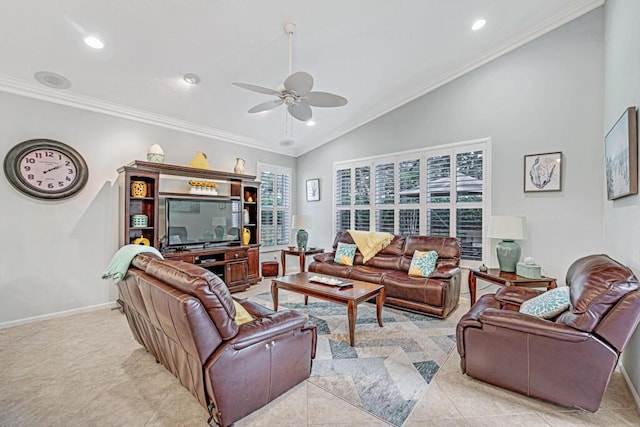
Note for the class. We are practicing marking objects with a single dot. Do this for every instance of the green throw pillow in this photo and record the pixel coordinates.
(423, 263)
(345, 253)
(548, 304)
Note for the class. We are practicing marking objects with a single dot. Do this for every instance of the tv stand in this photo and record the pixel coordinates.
(140, 184)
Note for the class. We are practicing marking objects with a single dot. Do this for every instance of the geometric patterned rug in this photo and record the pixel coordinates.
(389, 369)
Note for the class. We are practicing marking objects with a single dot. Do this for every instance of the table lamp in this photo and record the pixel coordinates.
(301, 222)
(507, 228)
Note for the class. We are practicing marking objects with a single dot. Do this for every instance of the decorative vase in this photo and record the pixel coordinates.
(199, 161)
(246, 236)
(155, 154)
(246, 218)
(138, 189)
(240, 164)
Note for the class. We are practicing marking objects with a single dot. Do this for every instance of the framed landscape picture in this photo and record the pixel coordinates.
(313, 190)
(543, 172)
(621, 156)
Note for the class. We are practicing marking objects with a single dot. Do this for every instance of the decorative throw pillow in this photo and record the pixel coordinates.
(548, 304)
(242, 315)
(345, 253)
(423, 263)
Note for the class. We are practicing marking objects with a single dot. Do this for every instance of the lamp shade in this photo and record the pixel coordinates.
(507, 227)
(301, 222)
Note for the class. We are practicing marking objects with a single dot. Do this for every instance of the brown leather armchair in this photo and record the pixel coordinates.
(567, 360)
(184, 316)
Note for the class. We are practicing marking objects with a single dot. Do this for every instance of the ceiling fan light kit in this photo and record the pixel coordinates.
(296, 92)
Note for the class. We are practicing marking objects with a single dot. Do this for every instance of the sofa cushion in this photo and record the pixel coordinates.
(345, 253)
(548, 304)
(330, 268)
(423, 263)
(242, 315)
(597, 283)
(448, 250)
(367, 273)
(398, 284)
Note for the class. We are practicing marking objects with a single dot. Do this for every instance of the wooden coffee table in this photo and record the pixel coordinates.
(351, 297)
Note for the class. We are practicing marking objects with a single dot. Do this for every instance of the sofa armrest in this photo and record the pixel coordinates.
(265, 328)
(517, 321)
(444, 273)
(324, 257)
(516, 295)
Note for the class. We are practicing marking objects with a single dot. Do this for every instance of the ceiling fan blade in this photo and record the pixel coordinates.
(259, 89)
(300, 111)
(266, 105)
(324, 99)
(300, 83)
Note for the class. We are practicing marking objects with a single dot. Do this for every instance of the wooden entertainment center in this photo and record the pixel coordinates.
(237, 264)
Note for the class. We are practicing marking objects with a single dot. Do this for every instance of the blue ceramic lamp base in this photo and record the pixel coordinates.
(508, 253)
(302, 237)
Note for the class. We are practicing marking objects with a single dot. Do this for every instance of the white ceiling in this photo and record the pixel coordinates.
(379, 54)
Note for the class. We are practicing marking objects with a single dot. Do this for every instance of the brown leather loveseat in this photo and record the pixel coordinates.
(184, 316)
(436, 295)
(567, 360)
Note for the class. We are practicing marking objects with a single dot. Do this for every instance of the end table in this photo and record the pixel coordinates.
(502, 278)
(302, 255)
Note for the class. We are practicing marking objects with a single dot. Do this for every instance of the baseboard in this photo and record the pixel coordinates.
(42, 317)
(632, 389)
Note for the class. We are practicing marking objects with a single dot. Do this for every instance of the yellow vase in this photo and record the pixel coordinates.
(246, 236)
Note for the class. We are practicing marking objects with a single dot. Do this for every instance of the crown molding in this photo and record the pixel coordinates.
(515, 42)
(82, 102)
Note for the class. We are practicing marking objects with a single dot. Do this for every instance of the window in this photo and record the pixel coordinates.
(275, 205)
(436, 192)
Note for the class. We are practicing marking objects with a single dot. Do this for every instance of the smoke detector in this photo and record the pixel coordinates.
(53, 80)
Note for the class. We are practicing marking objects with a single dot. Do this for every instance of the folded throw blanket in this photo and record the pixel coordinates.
(370, 243)
(119, 264)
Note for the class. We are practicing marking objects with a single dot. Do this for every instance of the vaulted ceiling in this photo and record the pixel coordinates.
(379, 54)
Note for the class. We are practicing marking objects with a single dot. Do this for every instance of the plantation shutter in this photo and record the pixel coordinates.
(275, 206)
(469, 191)
(283, 191)
(267, 197)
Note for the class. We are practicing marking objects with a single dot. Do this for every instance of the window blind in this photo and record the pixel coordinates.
(275, 205)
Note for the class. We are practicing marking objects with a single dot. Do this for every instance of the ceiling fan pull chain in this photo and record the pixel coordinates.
(290, 52)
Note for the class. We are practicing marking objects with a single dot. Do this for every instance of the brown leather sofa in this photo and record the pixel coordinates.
(567, 360)
(184, 316)
(436, 295)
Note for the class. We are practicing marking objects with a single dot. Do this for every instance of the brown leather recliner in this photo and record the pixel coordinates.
(568, 360)
(184, 316)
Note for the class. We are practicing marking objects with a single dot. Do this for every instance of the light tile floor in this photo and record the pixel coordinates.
(87, 369)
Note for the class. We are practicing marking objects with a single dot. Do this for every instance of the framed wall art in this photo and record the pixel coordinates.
(543, 172)
(313, 190)
(621, 156)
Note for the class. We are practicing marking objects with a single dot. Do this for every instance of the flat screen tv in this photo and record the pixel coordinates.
(198, 223)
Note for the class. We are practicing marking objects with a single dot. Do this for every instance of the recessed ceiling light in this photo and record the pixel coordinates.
(93, 42)
(287, 142)
(192, 78)
(311, 122)
(479, 23)
(53, 80)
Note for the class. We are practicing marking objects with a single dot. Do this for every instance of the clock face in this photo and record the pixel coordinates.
(48, 170)
(45, 169)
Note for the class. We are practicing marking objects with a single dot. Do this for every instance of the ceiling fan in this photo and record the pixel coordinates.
(296, 92)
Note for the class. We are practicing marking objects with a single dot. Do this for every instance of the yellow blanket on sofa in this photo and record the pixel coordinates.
(370, 243)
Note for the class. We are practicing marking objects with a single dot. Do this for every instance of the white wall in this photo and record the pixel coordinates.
(545, 96)
(53, 253)
(622, 90)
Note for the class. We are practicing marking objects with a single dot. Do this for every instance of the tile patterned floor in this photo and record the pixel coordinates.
(86, 369)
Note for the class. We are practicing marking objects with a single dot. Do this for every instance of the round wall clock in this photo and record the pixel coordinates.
(46, 169)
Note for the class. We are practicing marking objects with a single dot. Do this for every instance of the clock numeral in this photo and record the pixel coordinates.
(70, 171)
(67, 163)
(68, 179)
(60, 183)
(39, 183)
(27, 168)
(59, 156)
(38, 155)
(50, 185)
(30, 177)
(49, 154)
(30, 160)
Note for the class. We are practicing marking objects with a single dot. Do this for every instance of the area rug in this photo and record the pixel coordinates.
(389, 369)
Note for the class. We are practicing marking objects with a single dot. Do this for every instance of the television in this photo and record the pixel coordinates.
(192, 223)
